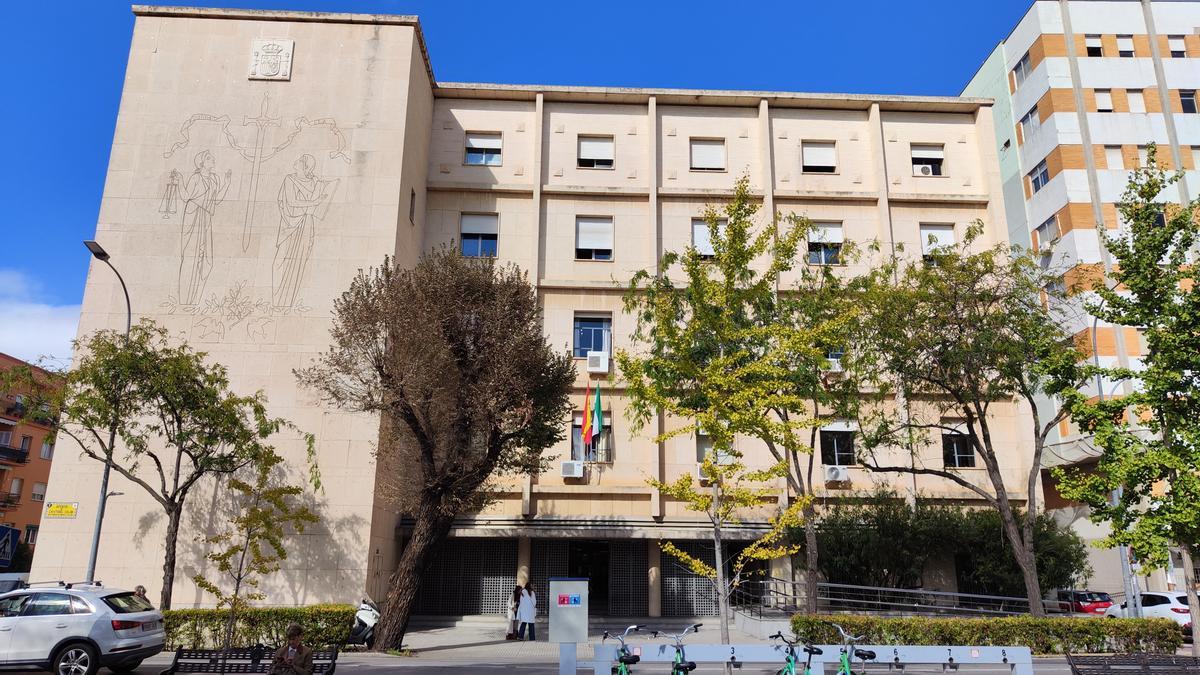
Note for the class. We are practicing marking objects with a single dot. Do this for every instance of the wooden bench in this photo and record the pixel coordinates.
(1134, 664)
(257, 659)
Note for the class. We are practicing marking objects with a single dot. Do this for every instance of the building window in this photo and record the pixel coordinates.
(483, 149)
(1030, 123)
(479, 232)
(927, 160)
(1104, 101)
(1047, 232)
(957, 451)
(704, 446)
(1094, 46)
(599, 450)
(1039, 176)
(31, 532)
(1125, 46)
(593, 238)
(818, 156)
(412, 208)
(1177, 45)
(1143, 155)
(1187, 98)
(837, 447)
(1196, 156)
(6, 439)
(934, 237)
(825, 244)
(595, 152)
(708, 154)
(15, 487)
(26, 443)
(1113, 157)
(47, 450)
(38, 494)
(592, 334)
(702, 237)
(1023, 69)
(1137, 101)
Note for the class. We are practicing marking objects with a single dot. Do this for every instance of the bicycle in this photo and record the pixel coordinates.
(864, 655)
(624, 657)
(681, 666)
(789, 667)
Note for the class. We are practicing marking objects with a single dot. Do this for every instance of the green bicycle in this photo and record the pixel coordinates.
(624, 657)
(789, 667)
(681, 666)
(848, 650)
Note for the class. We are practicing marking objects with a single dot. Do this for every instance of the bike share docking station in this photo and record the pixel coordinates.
(1019, 660)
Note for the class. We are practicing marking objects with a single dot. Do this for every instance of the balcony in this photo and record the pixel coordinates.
(8, 499)
(9, 455)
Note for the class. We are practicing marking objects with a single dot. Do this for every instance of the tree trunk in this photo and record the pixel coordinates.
(173, 517)
(810, 559)
(1189, 582)
(1024, 554)
(428, 531)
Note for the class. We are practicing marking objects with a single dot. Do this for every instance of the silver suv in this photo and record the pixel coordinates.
(74, 629)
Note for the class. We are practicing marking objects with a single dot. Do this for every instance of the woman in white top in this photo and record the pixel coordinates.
(514, 601)
(527, 612)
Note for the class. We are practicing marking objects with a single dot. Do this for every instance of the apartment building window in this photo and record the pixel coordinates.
(1047, 232)
(1143, 155)
(26, 443)
(1196, 156)
(6, 439)
(1113, 157)
(1137, 101)
(1022, 70)
(38, 494)
(704, 445)
(479, 234)
(483, 149)
(1030, 123)
(957, 451)
(837, 445)
(1094, 46)
(818, 156)
(593, 333)
(927, 159)
(15, 487)
(595, 152)
(1177, 45)
(935, 237)
(31, 532)
(702, 237)
(593, 238)
(707, 154)
(1187, 99)
(1125, 46)
(47, 450)
(1104, 101)
(600, 449)
(1039, 176)
(825, 244)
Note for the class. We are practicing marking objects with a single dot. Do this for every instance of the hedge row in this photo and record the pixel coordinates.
(1042, 636)
(324, 625)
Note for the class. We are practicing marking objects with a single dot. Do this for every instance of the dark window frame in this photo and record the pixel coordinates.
(954, 454)
(833, 448)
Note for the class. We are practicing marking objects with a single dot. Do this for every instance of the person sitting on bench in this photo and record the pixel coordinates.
(293, 658)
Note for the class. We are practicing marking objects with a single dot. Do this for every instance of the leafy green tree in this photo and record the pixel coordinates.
(453, 357)
(1150, 437)
(945, 339)
(986, 563)
(265, 512)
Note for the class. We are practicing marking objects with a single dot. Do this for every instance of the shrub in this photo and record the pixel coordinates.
(324, 625)
(1042, 636)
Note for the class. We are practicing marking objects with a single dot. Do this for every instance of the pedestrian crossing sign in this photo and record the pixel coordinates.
(9, 538)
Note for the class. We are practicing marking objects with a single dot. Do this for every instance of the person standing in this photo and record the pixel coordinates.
(139, 592)
(527, 612)
(514, 601)
(202, 193)
(294, 658)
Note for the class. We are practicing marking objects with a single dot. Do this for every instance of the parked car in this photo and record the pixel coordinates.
(11, 581)
(74, 629)
(1084, 602)
(1171, 606)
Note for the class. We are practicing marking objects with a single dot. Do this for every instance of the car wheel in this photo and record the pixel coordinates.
(126, 667)
(76, 659)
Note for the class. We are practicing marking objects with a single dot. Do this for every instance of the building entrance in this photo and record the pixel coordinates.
(590, 560)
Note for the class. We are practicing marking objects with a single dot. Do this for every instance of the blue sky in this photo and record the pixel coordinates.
(64, 68)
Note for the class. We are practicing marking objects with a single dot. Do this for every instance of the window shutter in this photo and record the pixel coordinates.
(936, 236)
(479, 223)
(1093, 41)
(1104, 100)
(827, 233)
(595, 147)
(487, 141)
(928, 152)
(1177, 44)
(701, 239)
(1137, 102)
(594, 233)
(840, 425)
(1124, 43)
(1113, 157)
(819, 153)
(708, 154)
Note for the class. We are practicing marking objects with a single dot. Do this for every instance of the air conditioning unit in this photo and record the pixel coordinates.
(837, 474)
(835, 366)
(572, 469)
(922, 170)
(597, 362)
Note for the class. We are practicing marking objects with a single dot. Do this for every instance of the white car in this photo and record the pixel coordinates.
(1171, 606)
(74, 629)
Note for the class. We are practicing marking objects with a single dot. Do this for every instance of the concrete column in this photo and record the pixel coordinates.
(1164, 96)
(524, 559)
(781, 568)
(656, 497)
(654, 578)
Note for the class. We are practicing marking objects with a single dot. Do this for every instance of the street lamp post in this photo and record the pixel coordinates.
(100, 254)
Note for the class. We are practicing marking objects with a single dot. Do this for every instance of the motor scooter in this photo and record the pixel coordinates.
(363, 632)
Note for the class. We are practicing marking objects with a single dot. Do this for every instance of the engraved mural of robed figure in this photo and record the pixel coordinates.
(303, 200)
(202, 192)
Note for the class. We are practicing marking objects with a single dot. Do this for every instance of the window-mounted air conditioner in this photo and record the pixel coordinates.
(922, 170)
(837, 474)
(572, 469)
(597, 362)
